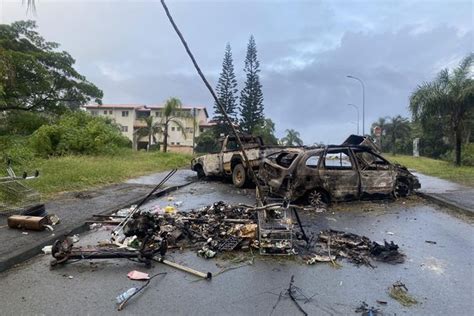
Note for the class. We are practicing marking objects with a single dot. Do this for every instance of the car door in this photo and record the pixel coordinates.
(376, 174)
(339, 174)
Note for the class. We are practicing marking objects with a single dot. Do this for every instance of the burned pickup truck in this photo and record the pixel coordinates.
(228, 162)
(334, 173)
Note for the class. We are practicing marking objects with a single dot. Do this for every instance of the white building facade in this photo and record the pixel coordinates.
(194, 120)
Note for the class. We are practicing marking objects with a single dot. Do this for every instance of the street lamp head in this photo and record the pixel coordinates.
(349, 76)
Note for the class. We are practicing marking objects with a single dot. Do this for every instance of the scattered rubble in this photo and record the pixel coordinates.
(333, 244)
(365, 310)
(399, 291)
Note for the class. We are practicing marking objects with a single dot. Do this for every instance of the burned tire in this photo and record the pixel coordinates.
(200, 171)
(239, 176)
(402, 189)
(317, 198)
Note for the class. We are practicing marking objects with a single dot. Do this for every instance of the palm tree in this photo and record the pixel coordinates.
(172, 106)
(151, 129)
(397, 128)
(450, 95)
(292, 138)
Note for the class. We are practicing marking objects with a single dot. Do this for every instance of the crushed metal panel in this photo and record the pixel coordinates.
(211, 164)
(357, 140)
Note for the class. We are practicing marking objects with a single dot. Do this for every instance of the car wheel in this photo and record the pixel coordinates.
(402, 189)
(317, 198)
(200, 172)
(239, 176)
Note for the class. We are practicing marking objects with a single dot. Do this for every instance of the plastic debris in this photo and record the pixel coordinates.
(170, 209)
(47, 249)
(75, 238)
(125, 295)
(207, 253)
(137, 275)
(54, 219)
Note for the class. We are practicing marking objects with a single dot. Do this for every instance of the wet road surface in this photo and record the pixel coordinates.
(440, 276)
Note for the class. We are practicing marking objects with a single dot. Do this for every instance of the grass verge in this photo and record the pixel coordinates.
(437, 168)
(74, 173)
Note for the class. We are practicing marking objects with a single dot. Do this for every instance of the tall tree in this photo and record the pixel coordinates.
(227, 93)
(251, 97)
(35, 76)
(266, 131)
(397, 129)
(292, 138)
(450, 95)
(172, 106)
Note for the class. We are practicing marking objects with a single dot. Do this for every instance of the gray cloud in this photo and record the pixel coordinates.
(306, 49)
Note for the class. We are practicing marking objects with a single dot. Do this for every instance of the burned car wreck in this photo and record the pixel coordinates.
(334, 173)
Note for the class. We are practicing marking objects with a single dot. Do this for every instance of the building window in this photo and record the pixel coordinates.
(124, 113)
(172, 129)
(172, 143)
(178, 143)
(158, 113)
(201, 130)
(110, 112)
(124, 129)
(93, 113)
(178, 129)
(105, 112)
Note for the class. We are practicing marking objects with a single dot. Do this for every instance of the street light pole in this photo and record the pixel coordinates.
(363, 102)
(357, 109)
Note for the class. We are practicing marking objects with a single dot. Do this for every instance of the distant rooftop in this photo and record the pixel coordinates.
(140, 107)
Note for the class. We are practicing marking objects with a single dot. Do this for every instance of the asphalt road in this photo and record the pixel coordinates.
(440, 276)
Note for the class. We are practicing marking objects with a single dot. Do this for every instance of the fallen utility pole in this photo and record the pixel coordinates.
(218, 103)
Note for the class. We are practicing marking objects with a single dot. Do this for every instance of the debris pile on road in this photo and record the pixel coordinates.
(214, 228)
(333, 244)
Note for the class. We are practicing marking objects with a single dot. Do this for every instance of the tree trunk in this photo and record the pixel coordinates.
(458, 144)
(149, 143)
(165, 139)
(393, 145)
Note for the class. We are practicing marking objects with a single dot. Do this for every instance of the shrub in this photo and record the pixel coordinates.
(16, 149)
(207, 142)
(467, 155)
(78, 133)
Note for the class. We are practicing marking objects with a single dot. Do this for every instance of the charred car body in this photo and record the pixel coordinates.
(229, 162)
(334, 173)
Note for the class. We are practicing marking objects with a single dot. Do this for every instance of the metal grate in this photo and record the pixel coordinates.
(275, 231)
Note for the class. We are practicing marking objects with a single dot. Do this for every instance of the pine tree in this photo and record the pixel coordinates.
(251, 98)
(227, 93)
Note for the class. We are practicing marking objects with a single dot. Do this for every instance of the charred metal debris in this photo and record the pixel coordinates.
(220, 228)
(331, 245)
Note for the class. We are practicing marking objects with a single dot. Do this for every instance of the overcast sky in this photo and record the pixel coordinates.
(305, 48)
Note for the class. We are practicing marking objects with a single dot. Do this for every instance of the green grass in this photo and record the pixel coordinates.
(74, 173)
(437, 168)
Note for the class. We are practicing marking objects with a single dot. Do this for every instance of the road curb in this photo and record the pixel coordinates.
(32, 250)
(445, 203)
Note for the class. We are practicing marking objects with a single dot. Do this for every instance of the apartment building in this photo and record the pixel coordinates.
(130, 119)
